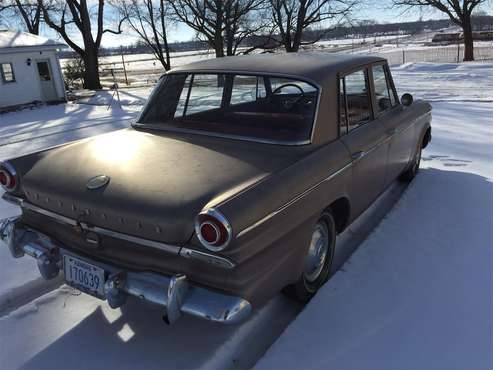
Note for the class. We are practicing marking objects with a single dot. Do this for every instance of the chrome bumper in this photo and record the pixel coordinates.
(176, 294)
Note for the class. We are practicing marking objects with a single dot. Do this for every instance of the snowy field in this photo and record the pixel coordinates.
(417, 293)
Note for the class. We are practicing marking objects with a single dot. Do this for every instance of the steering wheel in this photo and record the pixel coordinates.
(290, 103)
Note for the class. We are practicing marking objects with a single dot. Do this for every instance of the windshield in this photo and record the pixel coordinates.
(265, 108)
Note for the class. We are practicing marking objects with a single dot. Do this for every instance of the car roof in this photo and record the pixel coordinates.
(319, 67)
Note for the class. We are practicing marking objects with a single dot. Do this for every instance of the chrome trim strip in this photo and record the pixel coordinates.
(181, 251)
(114, 234)
(133, 239)
(293, 201)
(372, 149)
(206, 257)
(158, 127)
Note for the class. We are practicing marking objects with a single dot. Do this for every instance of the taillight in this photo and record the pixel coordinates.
(213, 230)
(8, 177)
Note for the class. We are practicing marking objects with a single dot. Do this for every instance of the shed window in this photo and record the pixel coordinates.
(7, 72)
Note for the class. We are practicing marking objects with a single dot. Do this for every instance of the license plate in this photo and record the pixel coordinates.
(84, 276)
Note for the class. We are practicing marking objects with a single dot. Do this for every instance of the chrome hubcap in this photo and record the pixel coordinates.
(317, 252)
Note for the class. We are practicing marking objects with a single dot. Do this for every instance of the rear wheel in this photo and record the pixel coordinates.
(411, 172)
(318, 260)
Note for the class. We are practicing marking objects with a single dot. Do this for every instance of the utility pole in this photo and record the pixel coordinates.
(124, 69)
(458, 51)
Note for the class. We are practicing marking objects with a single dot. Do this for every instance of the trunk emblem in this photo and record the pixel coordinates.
(98, 182)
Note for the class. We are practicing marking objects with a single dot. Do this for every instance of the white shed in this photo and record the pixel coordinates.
(29, 69)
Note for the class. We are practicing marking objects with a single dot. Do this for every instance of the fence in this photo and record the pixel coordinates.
(144, 69)
(445, 54)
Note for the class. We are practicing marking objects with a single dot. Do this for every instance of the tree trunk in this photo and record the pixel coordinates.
(91, 75)
(468, 40)
(219, 47)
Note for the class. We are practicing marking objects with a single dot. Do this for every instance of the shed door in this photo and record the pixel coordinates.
(46, 80)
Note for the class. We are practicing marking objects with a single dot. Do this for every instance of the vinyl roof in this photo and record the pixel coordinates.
(315, 66)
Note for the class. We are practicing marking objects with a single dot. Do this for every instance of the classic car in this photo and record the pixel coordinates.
(232, 185)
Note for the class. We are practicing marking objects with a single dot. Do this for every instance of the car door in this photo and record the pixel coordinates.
(364, 137)
(399, 128)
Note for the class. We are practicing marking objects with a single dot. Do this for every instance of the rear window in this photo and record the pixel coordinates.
(264, 108)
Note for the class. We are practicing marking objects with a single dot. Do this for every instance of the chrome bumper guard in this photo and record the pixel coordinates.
(176, 294)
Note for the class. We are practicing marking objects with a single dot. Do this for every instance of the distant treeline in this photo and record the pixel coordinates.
(363, 29)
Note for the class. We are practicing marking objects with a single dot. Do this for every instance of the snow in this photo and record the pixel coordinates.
(14, 39)
(417, 294)
(68, 330)
(35, 129)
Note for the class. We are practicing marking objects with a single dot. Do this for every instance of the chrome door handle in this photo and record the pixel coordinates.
(357, 155)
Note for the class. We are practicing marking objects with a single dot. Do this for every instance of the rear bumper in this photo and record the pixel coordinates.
(175, 294)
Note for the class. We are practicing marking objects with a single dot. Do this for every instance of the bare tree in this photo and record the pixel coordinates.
(293, 17)
(72, 15)
(459, 11)
(224, 24)
(149, 20)
(27, 12)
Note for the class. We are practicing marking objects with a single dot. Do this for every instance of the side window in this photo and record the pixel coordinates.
(357, 99)
(180, 108)
(247, 89)
(384, 95)
(342, 108)
(7, 72)
(206, 93)
(393, 93)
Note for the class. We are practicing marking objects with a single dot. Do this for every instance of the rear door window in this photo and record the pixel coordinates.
(357, 99)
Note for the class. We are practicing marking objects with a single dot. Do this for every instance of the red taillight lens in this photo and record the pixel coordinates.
(210, 232)
(8, 179)
(4, 180)
(213, 230)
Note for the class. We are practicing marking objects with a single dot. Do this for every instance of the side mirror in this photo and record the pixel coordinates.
(407, 100)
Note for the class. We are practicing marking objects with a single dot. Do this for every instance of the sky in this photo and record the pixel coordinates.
(375, 10)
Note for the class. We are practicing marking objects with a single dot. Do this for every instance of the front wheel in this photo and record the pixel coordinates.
(412, 171)
(318, 260)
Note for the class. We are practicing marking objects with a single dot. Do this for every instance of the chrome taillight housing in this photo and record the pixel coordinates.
(8, 177)
(213, 230)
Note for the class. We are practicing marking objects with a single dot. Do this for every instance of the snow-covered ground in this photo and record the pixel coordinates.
(416, 294)
(34, 129)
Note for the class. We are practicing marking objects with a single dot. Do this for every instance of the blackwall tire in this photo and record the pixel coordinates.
(315, 276)
(412, 171)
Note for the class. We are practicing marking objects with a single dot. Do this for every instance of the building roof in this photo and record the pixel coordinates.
(315, 66)
(18, 40)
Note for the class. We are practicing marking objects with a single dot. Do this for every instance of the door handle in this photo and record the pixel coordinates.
(357, 155)
(392, 132)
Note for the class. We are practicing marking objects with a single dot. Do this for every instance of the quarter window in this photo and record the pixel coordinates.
(357, 99)
(384, 95)
(7, 72)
